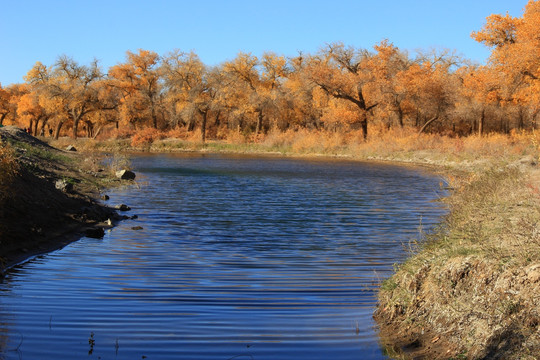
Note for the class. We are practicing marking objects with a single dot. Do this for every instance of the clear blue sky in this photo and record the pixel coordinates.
(41, 30)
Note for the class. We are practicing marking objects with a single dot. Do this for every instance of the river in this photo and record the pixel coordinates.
(238, 258)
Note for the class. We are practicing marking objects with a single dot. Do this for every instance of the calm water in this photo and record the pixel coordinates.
(238, 258)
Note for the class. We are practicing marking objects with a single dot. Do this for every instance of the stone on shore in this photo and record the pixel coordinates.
(63, 185)
(71, 148)
(95, 233)
(122, 207)
(125, 175)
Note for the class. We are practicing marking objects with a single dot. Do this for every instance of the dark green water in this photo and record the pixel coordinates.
(238, 258)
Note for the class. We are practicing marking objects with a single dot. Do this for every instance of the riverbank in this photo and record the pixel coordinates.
(49, 197)
(471, 291)
(402, 145)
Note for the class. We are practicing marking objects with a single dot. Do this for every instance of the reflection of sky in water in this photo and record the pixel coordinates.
(262, 257)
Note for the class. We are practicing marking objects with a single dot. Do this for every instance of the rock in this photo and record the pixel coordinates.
(96, 233)
(125, 175)
(137, 228)
(104, 197)
(63, 185)
(134, 217)
(71, 148)
(533, 273)
(528, 160)
(122, 207)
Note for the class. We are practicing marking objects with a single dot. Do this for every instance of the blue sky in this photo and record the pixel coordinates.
(33, 30)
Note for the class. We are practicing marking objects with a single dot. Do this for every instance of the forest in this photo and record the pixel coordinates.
(338, 89)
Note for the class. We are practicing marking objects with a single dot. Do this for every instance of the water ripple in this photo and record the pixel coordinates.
(251, 258)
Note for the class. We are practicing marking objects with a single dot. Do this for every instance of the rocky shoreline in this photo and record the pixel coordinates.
(54, 199)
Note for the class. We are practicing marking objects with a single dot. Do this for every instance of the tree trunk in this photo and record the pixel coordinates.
(154, 117)
(259, 122)
(521, 123)
(77, 116)
(76, 120)
(203, 126)
(98, 131)
(400, 116)
(427, 124)
(190, 124)
(481, 122)
(42, 129)
(363, 123)
(2, 117)
(57, 130)
(35, 131)
(89, 128)
(217, 122)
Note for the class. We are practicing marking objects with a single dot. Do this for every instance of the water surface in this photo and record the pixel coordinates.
(238, 258)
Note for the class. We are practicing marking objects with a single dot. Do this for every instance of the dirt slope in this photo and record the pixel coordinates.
(36, 216)
(473, 289)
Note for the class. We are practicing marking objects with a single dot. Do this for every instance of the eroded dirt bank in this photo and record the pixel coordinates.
(473, 289)
(37, 214)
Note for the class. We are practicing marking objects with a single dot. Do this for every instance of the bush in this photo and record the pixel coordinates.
(146, 137)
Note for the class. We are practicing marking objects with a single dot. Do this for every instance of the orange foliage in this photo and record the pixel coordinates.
(146, 137)
(338, 89)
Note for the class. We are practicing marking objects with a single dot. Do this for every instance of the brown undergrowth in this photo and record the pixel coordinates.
(395, 144)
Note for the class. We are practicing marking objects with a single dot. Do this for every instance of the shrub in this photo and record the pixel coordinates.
(123, 132)
(146, 137)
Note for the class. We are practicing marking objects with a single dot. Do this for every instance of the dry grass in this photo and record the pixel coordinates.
(395, 144)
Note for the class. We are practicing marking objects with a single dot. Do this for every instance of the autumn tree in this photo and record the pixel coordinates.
(68, 89)
(387, 65)
(514, 63)
(5, 104)
(479, 93)
(139, 81)
(107, 111)
(192, 88)
(431, 86)
(253, 86)
(41, 99)
(305, 99)
(344, 73)
(30, 109)
(76, 85)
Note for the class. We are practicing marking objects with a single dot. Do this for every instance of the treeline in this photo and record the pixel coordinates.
(339, 88)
